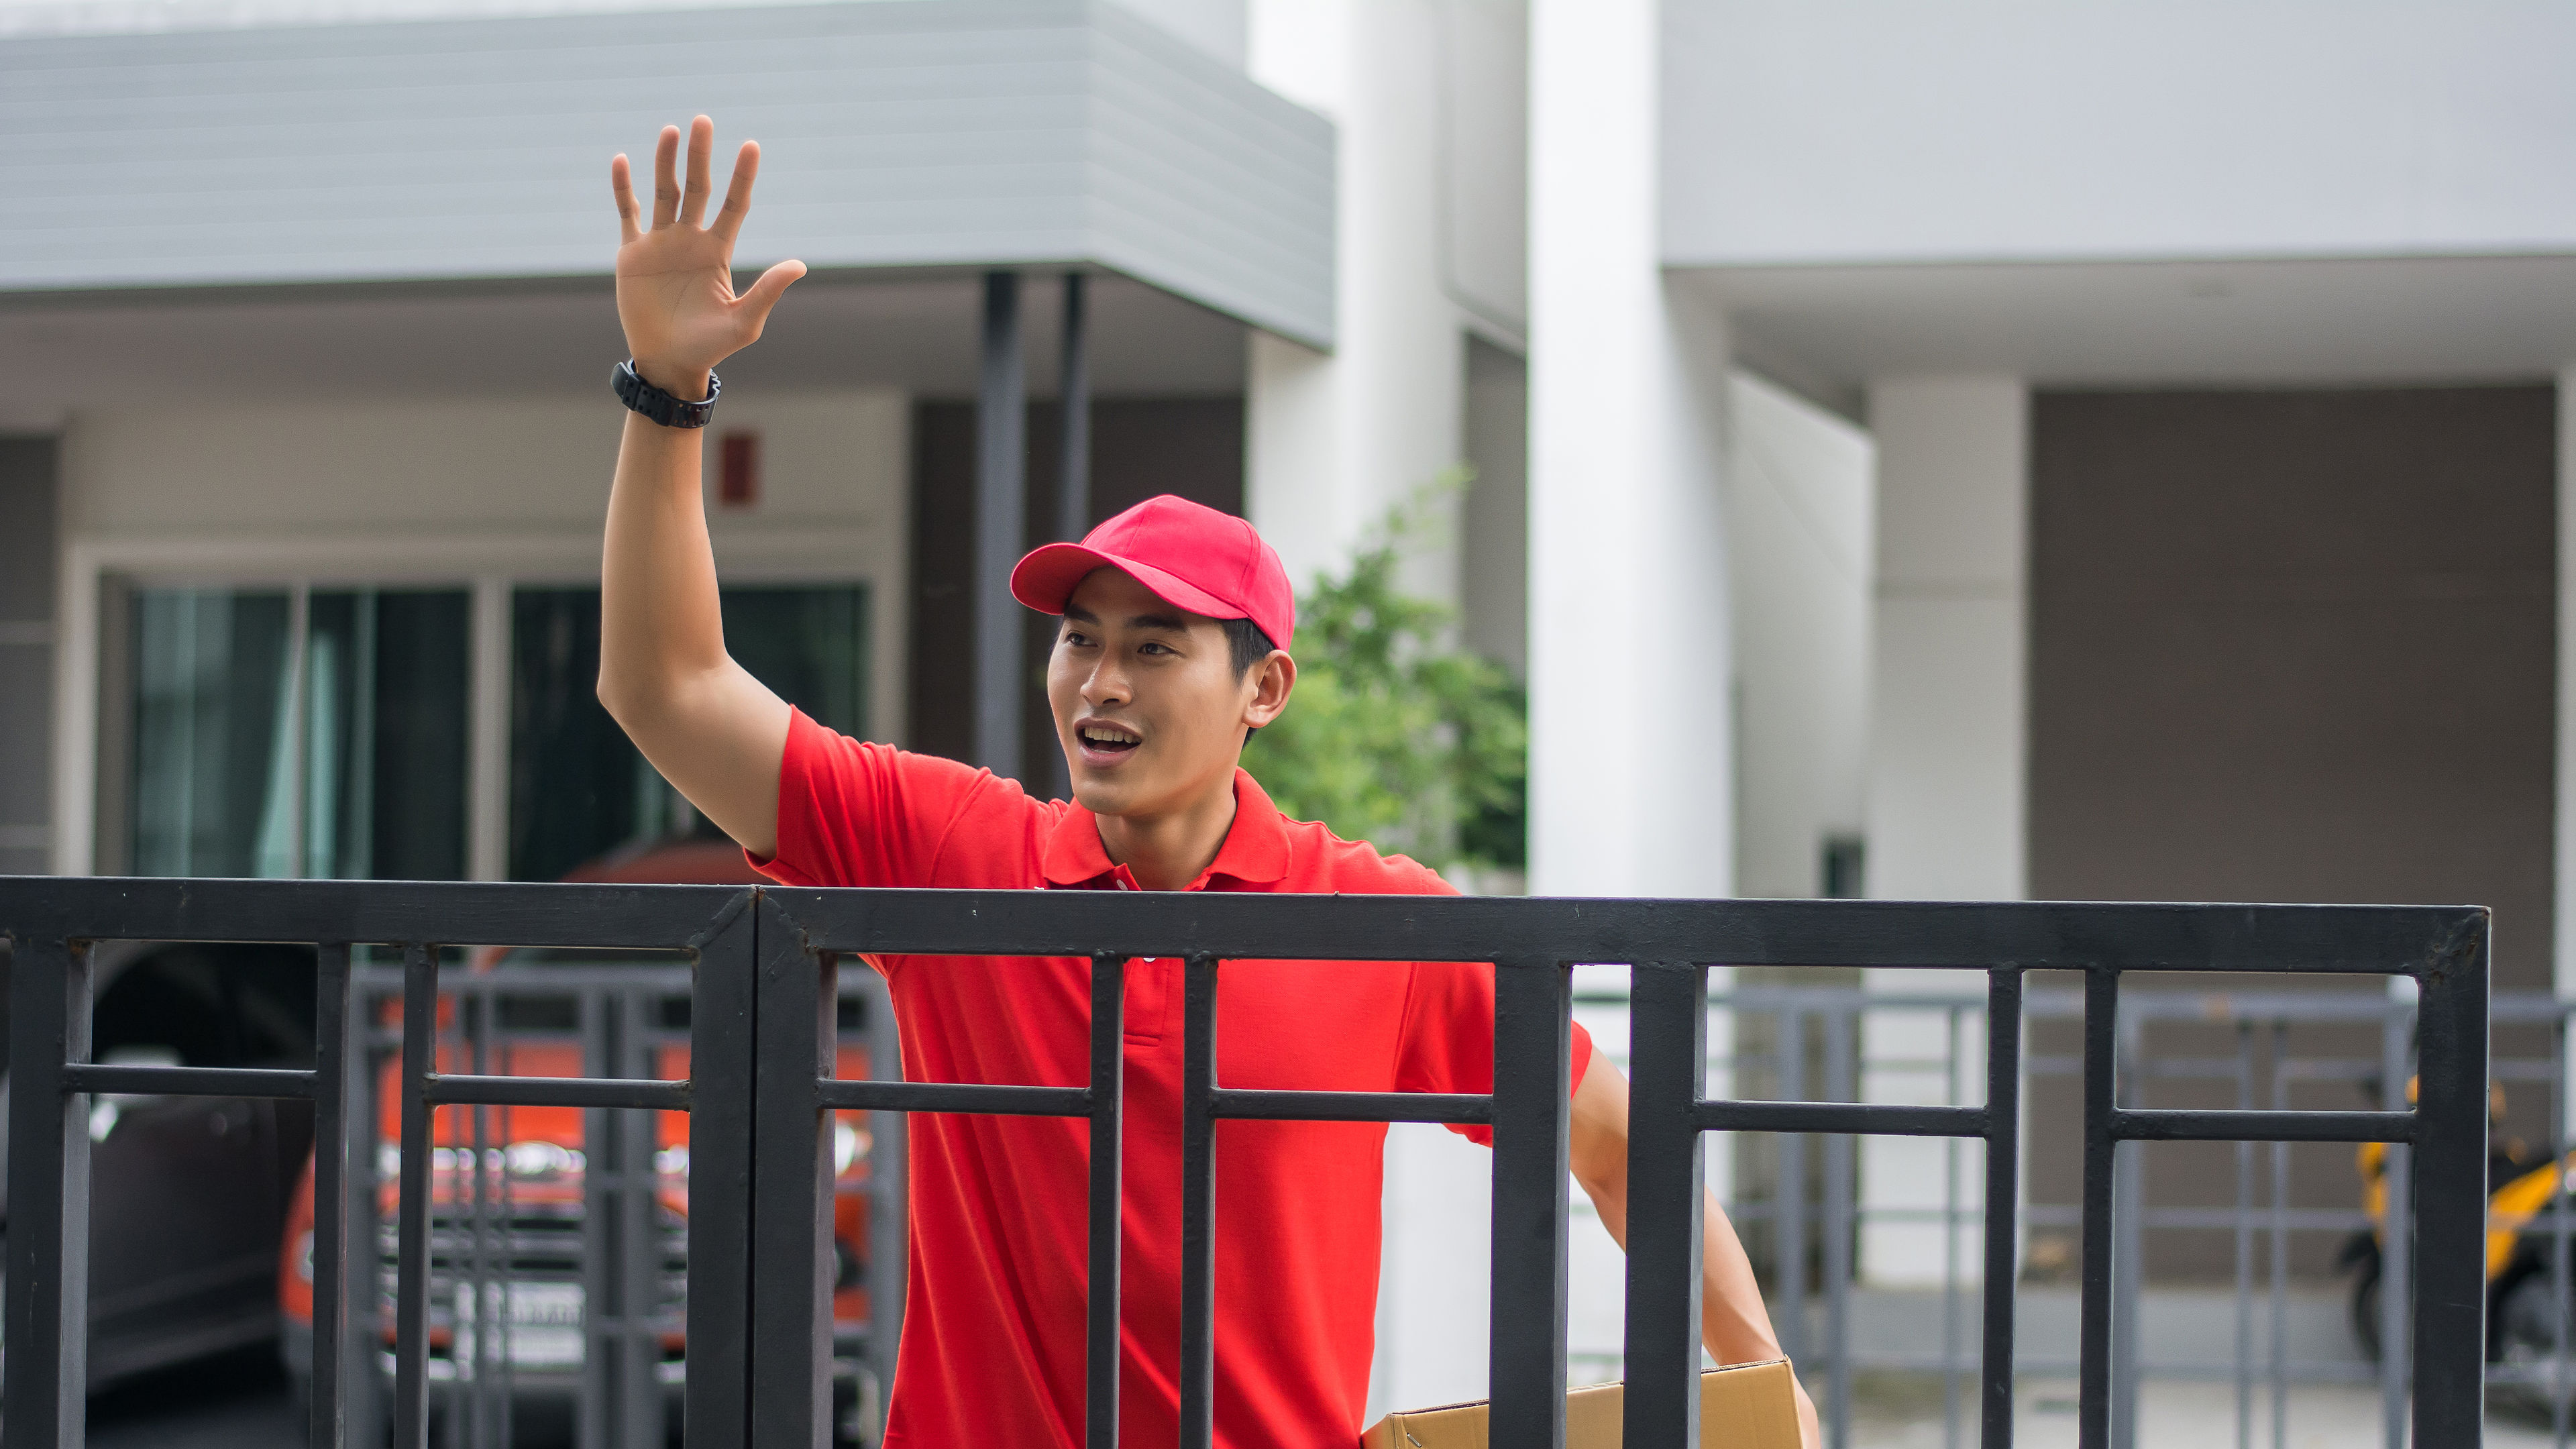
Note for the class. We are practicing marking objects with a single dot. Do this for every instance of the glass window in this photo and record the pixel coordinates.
(578, 789)
(289, 732)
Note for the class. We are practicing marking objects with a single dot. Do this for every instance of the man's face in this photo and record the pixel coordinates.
(1148, 707)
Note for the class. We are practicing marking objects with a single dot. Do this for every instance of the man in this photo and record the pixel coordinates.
(1172, 646)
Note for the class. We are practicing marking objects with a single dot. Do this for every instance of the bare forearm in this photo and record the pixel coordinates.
(660, 619)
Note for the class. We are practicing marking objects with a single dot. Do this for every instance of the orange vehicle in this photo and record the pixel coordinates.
(515, 1227)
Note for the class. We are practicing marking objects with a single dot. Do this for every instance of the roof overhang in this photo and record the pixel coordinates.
(899, 137)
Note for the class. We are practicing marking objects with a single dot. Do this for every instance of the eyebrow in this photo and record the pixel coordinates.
(1172, 623)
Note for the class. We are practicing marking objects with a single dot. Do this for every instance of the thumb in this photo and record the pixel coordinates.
(764, 294)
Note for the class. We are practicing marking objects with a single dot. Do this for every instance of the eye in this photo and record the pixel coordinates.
(1150, 647)
(1075, 638)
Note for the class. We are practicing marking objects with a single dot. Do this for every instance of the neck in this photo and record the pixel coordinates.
(1168, 850)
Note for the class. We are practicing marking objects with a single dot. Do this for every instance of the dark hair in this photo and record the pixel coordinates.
(1247, 643)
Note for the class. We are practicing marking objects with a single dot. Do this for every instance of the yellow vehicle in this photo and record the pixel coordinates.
(2523, 1305)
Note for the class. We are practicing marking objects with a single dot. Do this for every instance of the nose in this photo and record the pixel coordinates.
(1106, 684)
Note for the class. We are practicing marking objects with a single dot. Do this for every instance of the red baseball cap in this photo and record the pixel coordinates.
(1188, 554)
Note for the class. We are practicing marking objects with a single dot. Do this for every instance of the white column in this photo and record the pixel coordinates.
(1333, 441)
(2564, 947)
(1631, 739)
(1948, 752)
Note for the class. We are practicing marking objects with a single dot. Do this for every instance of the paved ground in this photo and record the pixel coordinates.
(2170, 1416)
(237, 1401)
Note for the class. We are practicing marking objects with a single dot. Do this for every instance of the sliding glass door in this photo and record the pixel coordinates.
(295, 732)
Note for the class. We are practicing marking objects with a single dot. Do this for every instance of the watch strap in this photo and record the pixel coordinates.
(652, 402)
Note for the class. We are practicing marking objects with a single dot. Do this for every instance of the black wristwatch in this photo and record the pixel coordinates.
(660, 406)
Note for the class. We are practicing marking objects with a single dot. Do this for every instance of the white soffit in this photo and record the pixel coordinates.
(1827, 329)
(901, 135)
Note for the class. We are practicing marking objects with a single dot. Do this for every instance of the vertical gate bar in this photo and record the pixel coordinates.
(411, 1247)
(1533, 1033)
(1839, 1086)
(328, 1425)
(1198, 1204)
(2559, 1285)
(2397, 1251)
(1108, 1083)
(48, 1274)
(485, 1289)
(886, 1197)
(1667, 1061)
(640, 1206)
(2128, 1240)
(791, 1196)
(2244, 1244)
(2003, 1201)
(2278, 1359)
(1790, 1214)
(362, 1395)
(723, 991)
(2101, 1048)
(2449, 1179)
(1950, 1093)
(598, 1424)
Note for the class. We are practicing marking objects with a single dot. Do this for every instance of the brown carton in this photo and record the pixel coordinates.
(1741, 1406)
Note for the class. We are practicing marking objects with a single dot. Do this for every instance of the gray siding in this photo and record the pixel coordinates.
(896, 134)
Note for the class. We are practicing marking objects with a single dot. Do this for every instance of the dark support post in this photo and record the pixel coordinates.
(1198, 1204)
(2101, 1049)
(1001, 496)
(791, 1190)
(1108, 1086)
(1073, 475)
(328, 1428)
(48, 1283)
(411, 1232)
(1533, 1021)
(362, 1395)
(2450, 1195)
(2003, 1198)
(1668, 1045)
(717, 1409)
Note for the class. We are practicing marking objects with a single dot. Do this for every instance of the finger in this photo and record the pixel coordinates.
(666, 177)
(622, 186)
(737, 202)
(764, 294)
(702, 145)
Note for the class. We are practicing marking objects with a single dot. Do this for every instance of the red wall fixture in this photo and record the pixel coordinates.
(738, 471)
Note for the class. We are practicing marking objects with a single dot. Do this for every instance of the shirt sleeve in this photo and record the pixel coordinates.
(1447, 1040)
(856, 813)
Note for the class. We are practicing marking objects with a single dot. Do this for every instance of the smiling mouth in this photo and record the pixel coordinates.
(1107, 739)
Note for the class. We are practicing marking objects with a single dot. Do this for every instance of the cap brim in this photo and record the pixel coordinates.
(1046, 579)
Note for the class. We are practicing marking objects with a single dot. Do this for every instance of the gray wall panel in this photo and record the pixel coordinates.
(29, 534)
(917, 133)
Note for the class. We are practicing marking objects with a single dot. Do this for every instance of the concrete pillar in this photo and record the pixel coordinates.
(1333, 441)
(1948, 753)
(1631, 739)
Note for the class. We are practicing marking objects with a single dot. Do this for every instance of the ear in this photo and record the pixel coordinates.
(1272, 680)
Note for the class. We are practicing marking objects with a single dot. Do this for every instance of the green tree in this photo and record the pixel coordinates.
(1395, 735)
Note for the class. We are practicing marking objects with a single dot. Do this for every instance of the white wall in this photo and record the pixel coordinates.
(1995, 129)
(357, 491)
(1800, 508)
(1215, 26)
(1947, 750)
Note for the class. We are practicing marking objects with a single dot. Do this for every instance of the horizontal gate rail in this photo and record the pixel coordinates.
(766, 963)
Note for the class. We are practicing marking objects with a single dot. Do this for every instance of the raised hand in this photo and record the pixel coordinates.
(675, 292)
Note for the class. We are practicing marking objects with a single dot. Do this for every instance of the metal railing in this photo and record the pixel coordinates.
(758, 1310)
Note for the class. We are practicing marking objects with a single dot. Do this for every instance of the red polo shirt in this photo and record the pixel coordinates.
(992, 1349)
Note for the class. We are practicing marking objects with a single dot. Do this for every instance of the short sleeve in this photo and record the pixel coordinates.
(1447, 1040)
(857, 813)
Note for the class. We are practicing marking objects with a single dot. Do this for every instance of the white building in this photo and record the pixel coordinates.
(2061, 450)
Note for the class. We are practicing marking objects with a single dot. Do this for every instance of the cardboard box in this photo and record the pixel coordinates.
(1741, 1406)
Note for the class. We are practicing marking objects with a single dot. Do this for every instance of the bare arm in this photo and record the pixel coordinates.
(714, 732)
(1733, 1321)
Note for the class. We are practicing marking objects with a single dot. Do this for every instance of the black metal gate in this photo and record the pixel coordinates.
(762, 1090)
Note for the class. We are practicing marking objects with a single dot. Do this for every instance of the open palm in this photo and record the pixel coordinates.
(675, 292)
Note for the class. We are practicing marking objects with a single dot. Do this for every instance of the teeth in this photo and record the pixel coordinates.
(1108, 735)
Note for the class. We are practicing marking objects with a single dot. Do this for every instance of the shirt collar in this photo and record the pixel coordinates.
(1255, 850)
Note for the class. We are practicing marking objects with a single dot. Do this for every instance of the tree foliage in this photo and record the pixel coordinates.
(1395, 735)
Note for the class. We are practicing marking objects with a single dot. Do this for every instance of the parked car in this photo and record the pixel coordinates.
(187, 1194)
(529, 1254)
